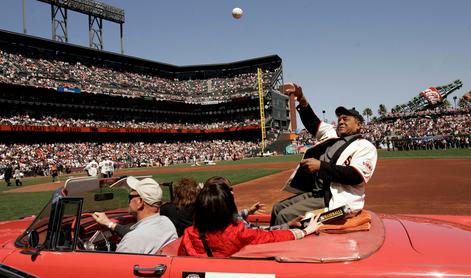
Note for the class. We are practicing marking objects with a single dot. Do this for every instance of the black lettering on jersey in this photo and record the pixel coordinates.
(348, 161)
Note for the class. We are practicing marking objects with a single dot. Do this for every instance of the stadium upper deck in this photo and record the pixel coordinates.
(83, 84)
(38, 62)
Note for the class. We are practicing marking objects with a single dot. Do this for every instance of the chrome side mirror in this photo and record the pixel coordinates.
(33, 239)
(33, 242)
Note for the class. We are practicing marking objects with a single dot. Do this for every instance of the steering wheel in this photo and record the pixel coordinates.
(98, 236)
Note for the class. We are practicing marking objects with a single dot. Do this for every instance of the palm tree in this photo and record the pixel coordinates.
(382, 110)
(446, 103)
(367, 112)
(464, 103)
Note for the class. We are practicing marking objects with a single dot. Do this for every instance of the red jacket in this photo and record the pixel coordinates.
(227, 242)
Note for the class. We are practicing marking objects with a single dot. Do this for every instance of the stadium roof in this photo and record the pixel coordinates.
(32, 41)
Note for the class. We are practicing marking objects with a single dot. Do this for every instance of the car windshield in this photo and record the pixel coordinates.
(96, 197)
(105, 199)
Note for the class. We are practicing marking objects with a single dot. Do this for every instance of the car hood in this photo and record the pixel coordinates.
(11, 230)
(439, 238)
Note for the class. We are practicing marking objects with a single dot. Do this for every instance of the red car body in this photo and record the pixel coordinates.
(396, 246)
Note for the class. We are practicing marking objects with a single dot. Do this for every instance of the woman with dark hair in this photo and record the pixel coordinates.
(181, 210)
(218, 232)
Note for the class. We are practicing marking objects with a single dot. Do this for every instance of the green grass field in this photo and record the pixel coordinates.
(235, 176)
(16, 205)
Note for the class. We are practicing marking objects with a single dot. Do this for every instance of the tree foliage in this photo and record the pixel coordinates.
(382, 110)
(368, 113)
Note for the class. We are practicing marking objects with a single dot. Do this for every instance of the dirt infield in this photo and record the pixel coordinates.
(423, 186)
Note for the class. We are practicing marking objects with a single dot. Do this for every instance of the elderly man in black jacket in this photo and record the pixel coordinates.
(334, 172)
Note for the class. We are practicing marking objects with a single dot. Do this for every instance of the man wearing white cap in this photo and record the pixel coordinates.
(152, 230)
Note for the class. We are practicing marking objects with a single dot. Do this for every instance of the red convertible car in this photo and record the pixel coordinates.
(63, 240)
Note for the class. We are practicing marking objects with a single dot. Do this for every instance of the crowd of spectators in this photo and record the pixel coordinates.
(48, 72)
(51, 71)
(435, 129)
(44, 120)
(440, 128)
(37, 159)
(437, 111)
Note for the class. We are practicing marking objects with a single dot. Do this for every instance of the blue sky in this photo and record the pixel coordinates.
(354, 53)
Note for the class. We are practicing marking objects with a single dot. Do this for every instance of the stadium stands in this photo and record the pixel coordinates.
(64, 104)
(47, 120)
(439, 128)
(85, 76)
(36, 159)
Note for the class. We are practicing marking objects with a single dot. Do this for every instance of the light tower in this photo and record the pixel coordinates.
(96, 11)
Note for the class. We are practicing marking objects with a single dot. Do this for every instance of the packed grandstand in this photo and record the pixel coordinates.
(439, 128)
(64, 105)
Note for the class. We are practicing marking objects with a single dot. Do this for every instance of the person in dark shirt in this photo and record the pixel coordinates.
(8, 174)
(182, 209)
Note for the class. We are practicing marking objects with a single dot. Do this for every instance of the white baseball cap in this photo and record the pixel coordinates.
(148, 189)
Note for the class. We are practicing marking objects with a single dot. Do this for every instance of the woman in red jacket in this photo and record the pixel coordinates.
(216, 230)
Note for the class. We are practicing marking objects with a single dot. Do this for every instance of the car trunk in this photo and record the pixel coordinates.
(439, 241)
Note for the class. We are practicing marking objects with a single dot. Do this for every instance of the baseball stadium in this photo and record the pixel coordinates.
(64, 105)
(72, 112)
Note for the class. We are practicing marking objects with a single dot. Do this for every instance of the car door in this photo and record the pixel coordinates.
(90, 264)
(56, 254)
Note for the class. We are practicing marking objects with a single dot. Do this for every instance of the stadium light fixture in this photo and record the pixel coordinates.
(96, 11)
(90, 7)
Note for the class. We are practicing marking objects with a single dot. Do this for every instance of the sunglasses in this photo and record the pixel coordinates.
(131, 196)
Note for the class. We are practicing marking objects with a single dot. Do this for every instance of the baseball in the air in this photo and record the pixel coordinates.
(237, 13)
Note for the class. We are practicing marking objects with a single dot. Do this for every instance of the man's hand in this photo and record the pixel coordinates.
(296, 222)
(313, 226)
(310, 165)
(295, 90)
(101, 218)
(257, 207)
